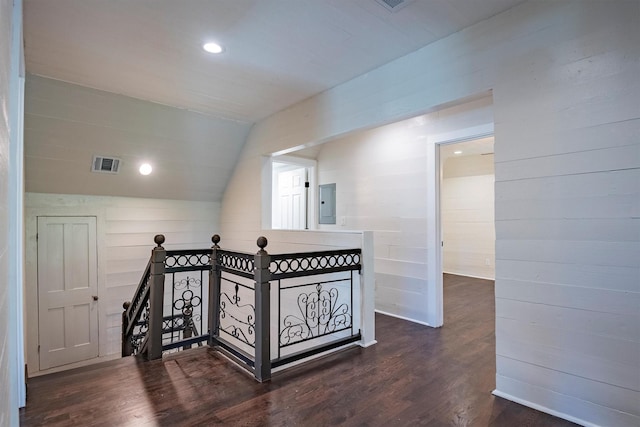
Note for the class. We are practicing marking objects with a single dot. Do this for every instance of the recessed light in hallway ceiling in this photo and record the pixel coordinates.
(145, 169)
(212, 47)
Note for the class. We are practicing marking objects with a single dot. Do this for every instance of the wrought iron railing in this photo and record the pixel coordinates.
(229, 295)
(320, 310)
(315, 301)
(185, 306)
(169, 308)
(310, 311)
(234, 297)
(135, 318)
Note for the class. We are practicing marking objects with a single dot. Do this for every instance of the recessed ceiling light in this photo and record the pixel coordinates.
(145, 169)
(457, 152)
(212, 47)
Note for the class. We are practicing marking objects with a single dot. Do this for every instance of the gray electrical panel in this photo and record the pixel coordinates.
(327, 204)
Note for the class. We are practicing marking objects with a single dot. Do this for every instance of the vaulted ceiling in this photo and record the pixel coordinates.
(277, 52)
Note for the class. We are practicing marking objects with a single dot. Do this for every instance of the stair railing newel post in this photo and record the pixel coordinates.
(156, 299)
(262, 303)
(127, 347)
(215, 276)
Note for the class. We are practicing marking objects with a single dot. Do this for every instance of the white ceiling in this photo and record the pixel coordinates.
(278, 52)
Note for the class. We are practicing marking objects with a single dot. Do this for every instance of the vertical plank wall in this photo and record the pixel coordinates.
(468, 218)
(567, 119)
(8, 77)
(126, 227)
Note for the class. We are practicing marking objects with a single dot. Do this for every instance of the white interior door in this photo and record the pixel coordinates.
(291, 199)
(67, 290)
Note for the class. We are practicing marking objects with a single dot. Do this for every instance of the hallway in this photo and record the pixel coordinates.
(415, 375)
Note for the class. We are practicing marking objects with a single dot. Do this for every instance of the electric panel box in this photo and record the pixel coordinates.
(327, 204)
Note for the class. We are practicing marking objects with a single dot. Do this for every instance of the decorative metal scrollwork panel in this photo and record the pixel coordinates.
(171, 323)
(186, 295)
(320, 309)
(187, 260)
(140, 294)
(237, 312)
(236, 262)
(140, 329)
(303, 264)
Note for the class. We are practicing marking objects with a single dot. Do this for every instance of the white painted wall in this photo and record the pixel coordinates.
(11, 379)
(467, 214)
(125, 230)
(381, 185)
(192, 154)
(565, 91)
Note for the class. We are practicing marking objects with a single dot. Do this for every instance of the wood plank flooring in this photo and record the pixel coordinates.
(414, 376)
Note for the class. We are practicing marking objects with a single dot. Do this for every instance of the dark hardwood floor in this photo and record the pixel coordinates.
(415, 375)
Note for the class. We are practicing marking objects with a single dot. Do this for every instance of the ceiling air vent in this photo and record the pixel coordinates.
(393, 5)
(105, 164)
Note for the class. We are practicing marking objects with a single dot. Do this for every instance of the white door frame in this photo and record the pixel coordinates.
(267, 187)
(67, 207)
(91, 222)
(435, 300)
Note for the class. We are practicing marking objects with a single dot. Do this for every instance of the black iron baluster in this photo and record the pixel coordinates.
(201, 308)
(173, 308)
(280, 324)
(351, 300)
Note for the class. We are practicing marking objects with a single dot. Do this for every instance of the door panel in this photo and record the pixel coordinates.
(67, 283)
(291, 192)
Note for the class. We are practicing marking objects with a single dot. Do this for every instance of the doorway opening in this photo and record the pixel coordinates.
(467, 217)
(290, 190)
(437, 155)
(467, 208)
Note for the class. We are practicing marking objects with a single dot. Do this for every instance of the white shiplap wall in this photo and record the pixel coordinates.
(125, 230)
(567, 217)
(374, 172)
(567, 119)
(467, 209)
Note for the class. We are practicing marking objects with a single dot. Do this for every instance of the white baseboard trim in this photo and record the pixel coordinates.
(543, 409)
(81, 364)
(469, 275)
(367, 344)
(397, 316)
